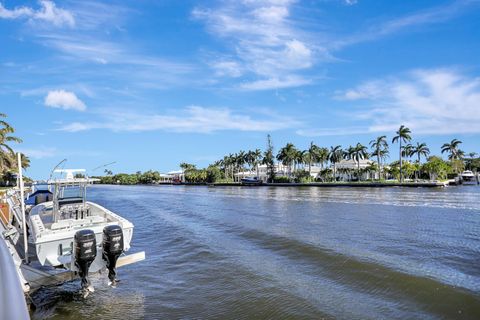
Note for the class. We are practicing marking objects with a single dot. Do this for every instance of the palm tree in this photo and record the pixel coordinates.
(299, 160)
(287, 155)
(357, 153)
(379, 146)
(321, 156)
(25, 161)
(452, 148)
(420, 150)
(335, 155)
(312, 155)
(240, 161)
(7, 155)
(403, 135)
(407, 151)
(257, 158)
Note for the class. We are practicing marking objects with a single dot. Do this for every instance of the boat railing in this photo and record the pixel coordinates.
(12, 299)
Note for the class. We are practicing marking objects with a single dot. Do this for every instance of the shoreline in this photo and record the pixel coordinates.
(313, 184)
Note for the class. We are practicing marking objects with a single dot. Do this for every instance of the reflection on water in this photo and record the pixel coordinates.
(282, 253)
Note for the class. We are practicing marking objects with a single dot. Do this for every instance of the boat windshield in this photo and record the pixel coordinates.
(70, 192)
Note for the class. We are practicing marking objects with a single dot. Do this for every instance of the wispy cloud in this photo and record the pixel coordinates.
(64, 100)
(428, 16)
(39, 153)
(344, 131)
(265, 44)
(285, 82)
(267, 48)
(48, 12)
(429, 101)
(192, 119)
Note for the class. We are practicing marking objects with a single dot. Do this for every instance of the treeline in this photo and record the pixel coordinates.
(8, 155)
(414, 162)
(148, 177)
(298, 163)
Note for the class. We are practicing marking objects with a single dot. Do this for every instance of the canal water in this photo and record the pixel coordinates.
(287, 253)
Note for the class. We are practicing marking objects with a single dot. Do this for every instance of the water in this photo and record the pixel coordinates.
(288, 253)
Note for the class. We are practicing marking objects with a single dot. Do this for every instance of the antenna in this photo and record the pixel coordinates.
(58, 165)
(105, 165)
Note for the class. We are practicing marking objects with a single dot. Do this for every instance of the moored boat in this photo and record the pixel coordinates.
(65, 236)
(251, 181)
(468, 177)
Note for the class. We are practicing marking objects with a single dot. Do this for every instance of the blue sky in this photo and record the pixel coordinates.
(150, 84)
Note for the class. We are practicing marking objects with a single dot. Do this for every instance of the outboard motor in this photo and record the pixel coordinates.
(85, 246)
(112, 249)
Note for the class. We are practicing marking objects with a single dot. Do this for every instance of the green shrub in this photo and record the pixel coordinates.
(281, 179)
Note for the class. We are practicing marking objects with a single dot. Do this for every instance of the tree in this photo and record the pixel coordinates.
(311, 155)
(287, 155)
(357, 153)
(268, 160)
(436, 167)
(25, 161)
(453, 150)
(420, 149)
(403, 135)
(471, 160)
(407, 151)
(257, 159)
(335, 155)
(380, 149)
(187, 166)
(7, 155)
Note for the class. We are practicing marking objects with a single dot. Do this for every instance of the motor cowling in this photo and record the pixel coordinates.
(112, 249)
(85, 251)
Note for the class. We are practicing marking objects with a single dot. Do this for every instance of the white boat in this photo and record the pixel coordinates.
(68, 236)
(468, 177)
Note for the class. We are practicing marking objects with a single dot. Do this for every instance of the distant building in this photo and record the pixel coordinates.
(262, 172)
(346, 170)
(172, 176)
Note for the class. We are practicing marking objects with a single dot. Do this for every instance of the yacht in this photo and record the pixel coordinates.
(468, 177)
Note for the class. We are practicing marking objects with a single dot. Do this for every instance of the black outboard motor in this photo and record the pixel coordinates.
(85, 252)
(112, 249)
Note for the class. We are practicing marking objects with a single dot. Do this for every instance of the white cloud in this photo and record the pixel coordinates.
(263, 41)
(15, 13)
(351, 2)
(287, 82)
(227, 68)
(48, 12)
(39, 153)
(191, 119)
(64, 100)
(429, 101)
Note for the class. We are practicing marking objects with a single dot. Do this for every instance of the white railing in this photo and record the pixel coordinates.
(12, 299)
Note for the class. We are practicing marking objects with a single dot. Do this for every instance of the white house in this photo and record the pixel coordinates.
(347, 169)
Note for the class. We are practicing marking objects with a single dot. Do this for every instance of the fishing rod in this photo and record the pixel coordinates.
(105, 165)
(55, 168)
